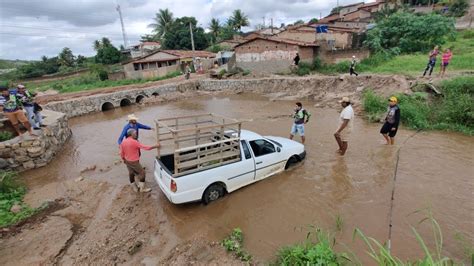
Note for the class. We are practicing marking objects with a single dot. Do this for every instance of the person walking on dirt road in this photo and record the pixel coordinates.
(344, 130)
(392, 120)
(130, 154)
(132, 124)
(298, 125)
(431, 61)
(353, 65)
(296, 60)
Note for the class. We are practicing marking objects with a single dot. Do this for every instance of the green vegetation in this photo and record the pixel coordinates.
(339, 223)
(318, 249)
(92, 81)
(9, 64)
(5, 135)
(11, 193)
(234, 243)
(405, 32)
(453, 111)
(381, 254)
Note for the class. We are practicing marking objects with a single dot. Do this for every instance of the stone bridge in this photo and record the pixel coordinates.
(107, 101)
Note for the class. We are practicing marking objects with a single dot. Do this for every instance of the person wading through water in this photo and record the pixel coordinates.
(344, 130)
(132, 124)
(298, 125)
(130, 154)
(390, 127)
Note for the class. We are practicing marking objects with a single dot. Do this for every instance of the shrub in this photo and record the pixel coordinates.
(246, 72)
(374, 105)
(11, 193)
(316, 250)
(5, 135)
(234, 243)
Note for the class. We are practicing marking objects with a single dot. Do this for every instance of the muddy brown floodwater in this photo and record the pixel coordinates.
(435, 171)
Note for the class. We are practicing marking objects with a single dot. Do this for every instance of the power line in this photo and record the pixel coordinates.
(48, 36)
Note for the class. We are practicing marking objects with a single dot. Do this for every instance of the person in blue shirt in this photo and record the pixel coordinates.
(132, 124)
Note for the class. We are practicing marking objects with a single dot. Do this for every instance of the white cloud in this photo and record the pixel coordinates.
(30, 29)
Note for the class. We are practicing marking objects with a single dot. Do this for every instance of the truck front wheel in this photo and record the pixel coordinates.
(212, 193)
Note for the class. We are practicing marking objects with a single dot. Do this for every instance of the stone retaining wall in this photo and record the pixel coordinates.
(27, 152)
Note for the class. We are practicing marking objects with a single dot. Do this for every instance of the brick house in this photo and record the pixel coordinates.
(304, 33)
(162, 62)
(144, 48)
(272, 54)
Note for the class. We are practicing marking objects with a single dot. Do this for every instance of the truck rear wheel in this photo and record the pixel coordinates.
(212, 193)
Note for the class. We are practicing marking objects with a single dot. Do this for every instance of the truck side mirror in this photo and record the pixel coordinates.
(278, 149)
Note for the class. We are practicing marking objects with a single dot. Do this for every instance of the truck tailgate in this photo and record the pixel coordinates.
(163, 178)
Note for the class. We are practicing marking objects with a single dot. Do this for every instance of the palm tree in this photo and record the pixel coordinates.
(97, 45)
(239, 19)
(163, 20)
(214, 27)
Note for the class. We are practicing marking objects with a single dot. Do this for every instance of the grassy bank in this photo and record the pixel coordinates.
(453, 111)
(404, 64)
(11, 194)
(91, 81)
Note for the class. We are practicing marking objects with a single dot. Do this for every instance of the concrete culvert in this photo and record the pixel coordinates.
(139, 98)
(155, 94)
(107, 106)
(125, 102)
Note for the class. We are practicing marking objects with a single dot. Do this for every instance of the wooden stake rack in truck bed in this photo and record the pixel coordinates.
(200, 142)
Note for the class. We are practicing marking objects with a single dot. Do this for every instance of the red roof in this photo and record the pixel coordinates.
(280, 40)
(329, 18)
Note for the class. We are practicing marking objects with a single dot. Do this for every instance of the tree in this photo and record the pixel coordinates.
(239, 20)
(313, 21)
(227, 32)
(106, 52)
(214, 28)
(179, 37)
(408, 32)
(66, 58)
(81, 60)
(458, 8)
(162, 23)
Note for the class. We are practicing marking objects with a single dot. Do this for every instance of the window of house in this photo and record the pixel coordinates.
(152, 65)
(145, 66)
(172, 63)
(262, 147)
(136, 66)
(160, 64)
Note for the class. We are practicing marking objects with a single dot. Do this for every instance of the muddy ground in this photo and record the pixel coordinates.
(102, 221)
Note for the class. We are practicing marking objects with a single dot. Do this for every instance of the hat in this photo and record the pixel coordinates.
(132, 117)
(345, 100)
(393, 99)
(20, 86)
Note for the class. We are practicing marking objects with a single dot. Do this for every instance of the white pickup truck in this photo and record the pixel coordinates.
(257, 158)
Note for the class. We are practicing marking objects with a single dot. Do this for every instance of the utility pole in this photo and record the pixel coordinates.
(192, 37)
(263, 22)
(271, 24)
(125, 41)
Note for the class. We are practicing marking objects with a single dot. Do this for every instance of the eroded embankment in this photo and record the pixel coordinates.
(323, 89)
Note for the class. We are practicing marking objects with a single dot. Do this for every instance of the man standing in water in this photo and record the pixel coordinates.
(344, 130)
(132, 124)
(298, 125)
(390, 127)
(130, 154)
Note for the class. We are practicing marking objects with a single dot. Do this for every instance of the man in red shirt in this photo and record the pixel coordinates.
(130, 153)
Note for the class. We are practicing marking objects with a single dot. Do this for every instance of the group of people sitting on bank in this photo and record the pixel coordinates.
(19, 107)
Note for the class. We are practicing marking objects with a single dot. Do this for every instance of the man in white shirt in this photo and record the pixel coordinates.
(344, 130)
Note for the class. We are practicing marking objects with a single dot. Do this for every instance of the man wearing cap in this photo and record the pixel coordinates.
(27, 100)
(344, 130)
(132, 124)
(12, 109)
(130, 154)
(390, 127)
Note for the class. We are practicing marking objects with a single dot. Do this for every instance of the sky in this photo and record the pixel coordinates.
(30, 29)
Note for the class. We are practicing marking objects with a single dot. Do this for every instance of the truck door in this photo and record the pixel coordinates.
(245, 171)
(267, 158)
